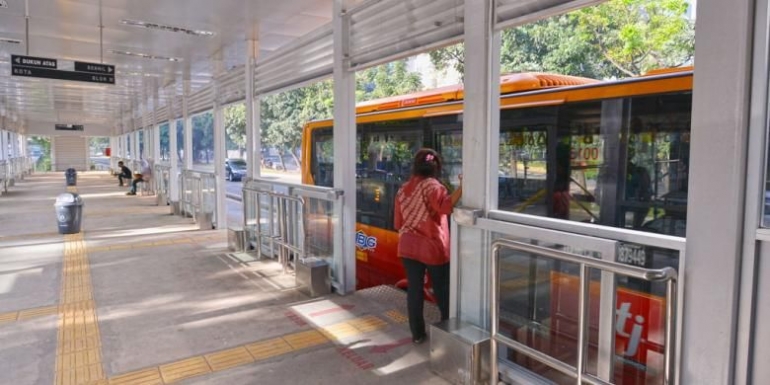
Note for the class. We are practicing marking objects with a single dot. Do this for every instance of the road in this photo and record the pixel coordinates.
(101, 162)
(233, 192)
(234, 188)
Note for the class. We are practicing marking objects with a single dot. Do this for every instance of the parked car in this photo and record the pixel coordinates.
(272, 162)
(235, 169)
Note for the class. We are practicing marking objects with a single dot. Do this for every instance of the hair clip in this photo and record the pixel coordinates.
(429, 158)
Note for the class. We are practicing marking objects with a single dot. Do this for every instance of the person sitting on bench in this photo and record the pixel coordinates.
(125, 173)
(144, 176)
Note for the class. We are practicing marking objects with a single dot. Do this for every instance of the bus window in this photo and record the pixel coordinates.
(615, 162)
(449, 145)
(523, 168)
(654, 194)
(384, 164)
(322, 159)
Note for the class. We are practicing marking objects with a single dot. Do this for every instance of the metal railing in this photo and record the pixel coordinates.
(4, 167)
(198, 194)
(162, 180)
(292, 222)
(17, 168)
(666, 274)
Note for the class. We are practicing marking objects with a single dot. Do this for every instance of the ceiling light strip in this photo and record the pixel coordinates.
(167, 28)
(146, 55)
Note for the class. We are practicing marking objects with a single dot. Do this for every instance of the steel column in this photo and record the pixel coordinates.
(253, 114)
(720, 120)
(220, 151)
(344, 145)
(156, 155)
(481, 121)
(188, 161)
(173, 151)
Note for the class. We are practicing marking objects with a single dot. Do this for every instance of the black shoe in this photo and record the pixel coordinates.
(418, 340)
(130, 193)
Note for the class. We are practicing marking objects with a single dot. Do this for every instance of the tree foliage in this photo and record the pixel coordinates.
(618, 38)
(235, 127)
(285, 114)
(203, 137)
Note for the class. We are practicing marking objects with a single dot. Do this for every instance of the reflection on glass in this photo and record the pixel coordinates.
(616, 162)
(640, 317)
(203, 140)
(384, 163)
(180, 142)
(539, 308)
(140, 140)
(165, 146)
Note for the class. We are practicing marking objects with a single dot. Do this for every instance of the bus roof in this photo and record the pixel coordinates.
(513, 83)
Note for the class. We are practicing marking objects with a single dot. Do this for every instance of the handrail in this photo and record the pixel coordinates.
(666, 274)
(196, 187)
(3, 176)
(162, 176)
(278, 215)
(289, 238)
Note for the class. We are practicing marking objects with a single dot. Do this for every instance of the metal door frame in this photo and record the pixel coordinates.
(607, 249)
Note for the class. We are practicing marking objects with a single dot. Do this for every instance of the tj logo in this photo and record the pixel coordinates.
(635, 336)
(365, 242)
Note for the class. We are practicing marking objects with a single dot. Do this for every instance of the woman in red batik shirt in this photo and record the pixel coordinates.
(422, 207)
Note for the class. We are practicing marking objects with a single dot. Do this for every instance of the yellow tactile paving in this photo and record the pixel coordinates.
(9, 317)
(245, 354)
(368, 323)
(304, 340)
(340, 331)
(141, 377)
(39, 312)
(180, 370)
(267, 349)
(78, 356)
(229, 358)
(397, 316)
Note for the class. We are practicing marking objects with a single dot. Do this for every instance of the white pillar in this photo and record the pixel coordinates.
(188, 161)
(481, 122)
(173, 154)
(344, 145)
(3, 145)
(155, 126)
(253, 114)
(718, 152)
(219, 163)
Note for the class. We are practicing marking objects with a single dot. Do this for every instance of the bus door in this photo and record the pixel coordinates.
(538, 302)
(384, 163)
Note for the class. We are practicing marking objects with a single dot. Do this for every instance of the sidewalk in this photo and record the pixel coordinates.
(141, 297)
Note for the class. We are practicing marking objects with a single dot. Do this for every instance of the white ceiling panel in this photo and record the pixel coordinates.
(69, 30)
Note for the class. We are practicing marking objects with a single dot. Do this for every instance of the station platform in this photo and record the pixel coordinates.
(140, 296)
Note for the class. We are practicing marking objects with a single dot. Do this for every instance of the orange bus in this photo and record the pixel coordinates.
(613, 153)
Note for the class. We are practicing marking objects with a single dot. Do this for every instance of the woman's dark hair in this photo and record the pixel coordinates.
(427, 163)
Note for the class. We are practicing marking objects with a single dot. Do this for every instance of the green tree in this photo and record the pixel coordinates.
(618, 38)
(44, 145)
(203, 137)
(386, 80)
(235, 127)
(285, 114)
(165, 141)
